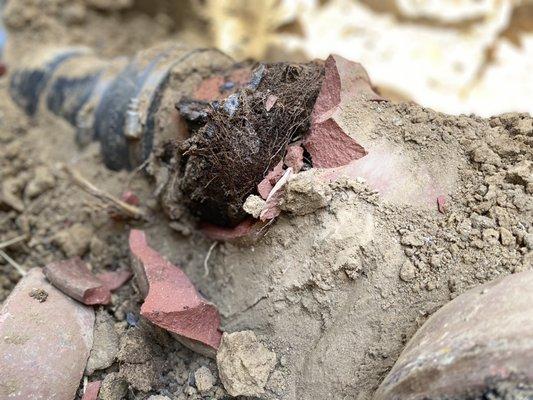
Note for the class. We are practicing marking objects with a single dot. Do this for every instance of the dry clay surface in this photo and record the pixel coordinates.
(338, 283)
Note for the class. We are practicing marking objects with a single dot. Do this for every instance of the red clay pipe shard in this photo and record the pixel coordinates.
(73, 278)
(171, 300)
(481, 339)
(91, 391)
(275, 197)
(327, 142)
(246, 233)
(354, 80)
(294, 157)
(265, 186)
(114, 279)
(330, 147)
(44, 346)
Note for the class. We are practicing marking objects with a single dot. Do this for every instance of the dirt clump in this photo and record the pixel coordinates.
(244, 364)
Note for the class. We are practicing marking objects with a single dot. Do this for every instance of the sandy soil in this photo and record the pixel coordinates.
(338, 283)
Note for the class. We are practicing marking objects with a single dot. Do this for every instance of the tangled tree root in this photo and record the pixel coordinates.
(234, 143)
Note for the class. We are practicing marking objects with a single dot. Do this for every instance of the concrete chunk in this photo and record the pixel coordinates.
(44, 346)
(105, 347)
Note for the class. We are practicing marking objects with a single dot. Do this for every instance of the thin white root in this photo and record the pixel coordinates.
(127, 209)
(206, 267)
(13, 241)
(13, 263)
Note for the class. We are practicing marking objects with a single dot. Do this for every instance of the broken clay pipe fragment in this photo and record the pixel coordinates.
(294, 158)
(44, 345)
(219, 86)
(91, 391)
(327, 142)
(245, 233)
(481, 339)
(267, 184)
(275, 197)
(171, 300)
(113, 280)
(74, 278)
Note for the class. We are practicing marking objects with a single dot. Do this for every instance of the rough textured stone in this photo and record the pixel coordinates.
(254, 205)
(42, 181)
(244, 364)
(48, 341)
(113, 387)
(204, 379)
(407, 271)
(171, 300)
(105, 346)
(141, 377)
(73, 278)
(327, 142)
(482, 338)
(91, 391)
(306, 193)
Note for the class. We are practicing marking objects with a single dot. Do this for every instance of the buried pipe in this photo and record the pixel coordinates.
(115, 102)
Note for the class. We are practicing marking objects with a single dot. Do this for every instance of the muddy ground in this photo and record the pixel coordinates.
(338, 283)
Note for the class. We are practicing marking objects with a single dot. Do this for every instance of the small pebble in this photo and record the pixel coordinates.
(132, 319)
(204, 379)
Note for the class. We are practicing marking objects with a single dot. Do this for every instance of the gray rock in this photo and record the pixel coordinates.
(42, 181)
(105, 346)
(407, 271)
(74, 240)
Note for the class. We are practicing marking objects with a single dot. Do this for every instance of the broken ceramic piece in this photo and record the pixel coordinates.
(327, 142)
(267, 184)
(271, 209)
(74, 278)
(248, 231)
(294, 157)
(171, 300)
(113, 280)
(48, 341)
(91, 391)
(481, 339)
